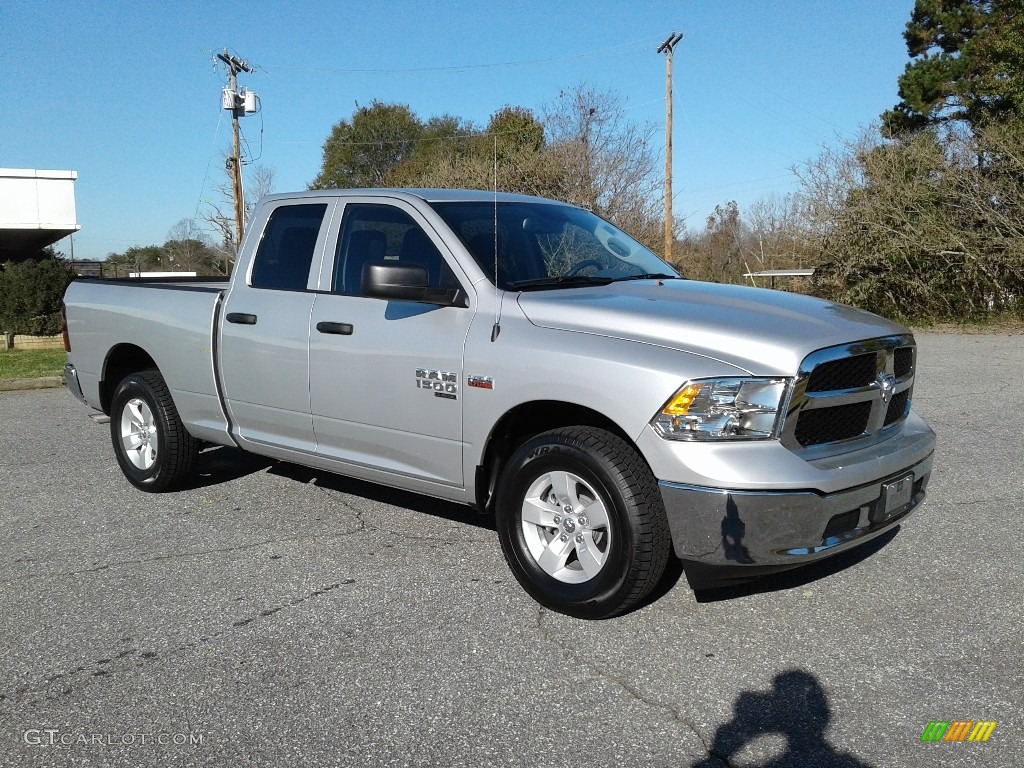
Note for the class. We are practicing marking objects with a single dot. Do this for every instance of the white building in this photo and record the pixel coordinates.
(37, 208)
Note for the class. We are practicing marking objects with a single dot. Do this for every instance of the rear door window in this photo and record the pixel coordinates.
(285, 254)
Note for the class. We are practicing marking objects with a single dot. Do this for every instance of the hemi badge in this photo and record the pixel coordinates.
(481, 382)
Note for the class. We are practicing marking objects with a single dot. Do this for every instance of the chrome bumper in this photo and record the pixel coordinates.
(780, 529)
(73, 384)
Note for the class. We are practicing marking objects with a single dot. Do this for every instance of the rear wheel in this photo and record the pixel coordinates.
(153, 449)
(582, 523)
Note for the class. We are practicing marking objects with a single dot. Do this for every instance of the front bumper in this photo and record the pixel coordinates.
(760, 531)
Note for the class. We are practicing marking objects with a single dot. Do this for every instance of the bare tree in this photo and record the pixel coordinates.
(725, 236)
(828, 180)
(927, 226)
(779, 234)
(220, 213)
(188, 247)
(605, 161)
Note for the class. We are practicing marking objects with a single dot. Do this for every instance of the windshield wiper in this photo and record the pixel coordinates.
(562, 281)
(649, 276)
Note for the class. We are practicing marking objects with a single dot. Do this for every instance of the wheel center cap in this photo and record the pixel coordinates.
(569, 525)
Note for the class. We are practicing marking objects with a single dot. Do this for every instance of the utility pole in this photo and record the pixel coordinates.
(234, 101)
(667, 48)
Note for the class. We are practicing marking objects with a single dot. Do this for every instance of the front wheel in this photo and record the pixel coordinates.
(582, 523)
(153, 449)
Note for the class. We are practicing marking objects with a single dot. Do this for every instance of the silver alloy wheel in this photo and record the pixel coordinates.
(138, 433)
(565, 524)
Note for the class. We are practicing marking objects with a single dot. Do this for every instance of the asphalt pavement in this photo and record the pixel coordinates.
(276, 616)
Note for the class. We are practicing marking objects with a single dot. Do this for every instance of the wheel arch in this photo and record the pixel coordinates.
(523, 422)
(122, 360)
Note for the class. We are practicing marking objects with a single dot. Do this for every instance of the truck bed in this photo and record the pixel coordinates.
(170, 320)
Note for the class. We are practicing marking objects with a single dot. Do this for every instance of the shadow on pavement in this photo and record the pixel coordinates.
(776, 582)
(380, 493)
(796, 708)
(220, 464)
(798, 577)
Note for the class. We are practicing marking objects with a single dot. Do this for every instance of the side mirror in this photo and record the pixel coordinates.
(405, 282)
(381, 280)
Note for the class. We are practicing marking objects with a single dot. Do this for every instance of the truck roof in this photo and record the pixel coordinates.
(427, 195)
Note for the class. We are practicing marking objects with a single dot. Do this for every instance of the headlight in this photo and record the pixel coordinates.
(722, 409)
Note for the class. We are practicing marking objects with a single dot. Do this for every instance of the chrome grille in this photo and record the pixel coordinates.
(897, 407)
(903, 361)
(826, 425)
(844, 373)
(847, 396)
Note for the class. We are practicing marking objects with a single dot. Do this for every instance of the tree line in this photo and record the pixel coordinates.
(919, 218)
(187, 249)
(581, 149)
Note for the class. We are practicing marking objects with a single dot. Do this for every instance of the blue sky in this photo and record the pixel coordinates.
(125, 93)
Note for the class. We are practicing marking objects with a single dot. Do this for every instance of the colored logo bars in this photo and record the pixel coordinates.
(958, 730)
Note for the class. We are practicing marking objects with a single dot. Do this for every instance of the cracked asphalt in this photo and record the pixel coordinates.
(275, 616)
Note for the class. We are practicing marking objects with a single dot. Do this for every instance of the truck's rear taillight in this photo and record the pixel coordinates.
(64, 327)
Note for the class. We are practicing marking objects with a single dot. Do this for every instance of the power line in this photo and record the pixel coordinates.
(736, 184)
(249, 159)
(206, 175)
(635, 45)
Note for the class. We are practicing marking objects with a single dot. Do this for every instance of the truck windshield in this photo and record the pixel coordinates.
(544, 245)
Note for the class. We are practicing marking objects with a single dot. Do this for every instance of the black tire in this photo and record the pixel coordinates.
(618, 553)
(156, 457)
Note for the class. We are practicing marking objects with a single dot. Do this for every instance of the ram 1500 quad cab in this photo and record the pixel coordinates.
(528, 358)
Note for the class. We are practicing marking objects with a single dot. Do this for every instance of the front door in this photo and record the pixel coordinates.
(386, 376)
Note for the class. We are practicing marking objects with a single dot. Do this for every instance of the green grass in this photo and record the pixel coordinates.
(31, 363)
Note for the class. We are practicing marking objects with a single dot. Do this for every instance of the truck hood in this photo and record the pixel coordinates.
(766, 333)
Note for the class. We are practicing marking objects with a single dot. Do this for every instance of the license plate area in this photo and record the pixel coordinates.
(895, 499)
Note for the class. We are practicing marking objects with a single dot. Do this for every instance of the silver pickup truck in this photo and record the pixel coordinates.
(525, 357)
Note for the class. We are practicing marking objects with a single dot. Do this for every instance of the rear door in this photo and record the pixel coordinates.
(265, 331)
(386, 376)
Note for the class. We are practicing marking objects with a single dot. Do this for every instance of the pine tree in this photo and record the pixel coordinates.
(967, 65)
